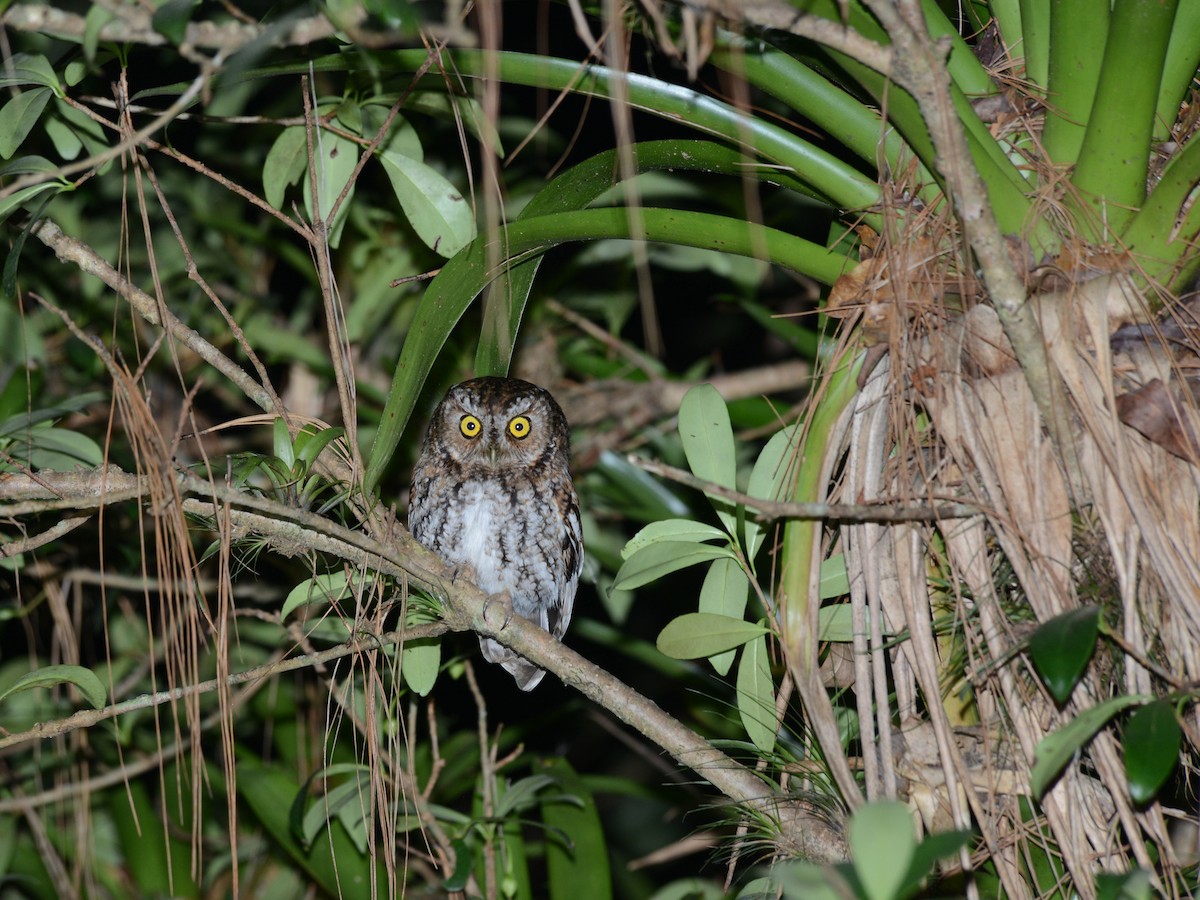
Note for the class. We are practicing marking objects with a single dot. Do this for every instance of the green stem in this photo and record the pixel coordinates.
(1114, 159)
(801, 551)
(1035, 40)
(463, 277)
(1179, 68)
(574, 190)
(1158, 238)
(841, 184)
(1078, 30)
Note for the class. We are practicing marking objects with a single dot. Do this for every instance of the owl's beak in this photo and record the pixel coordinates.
(492, 451)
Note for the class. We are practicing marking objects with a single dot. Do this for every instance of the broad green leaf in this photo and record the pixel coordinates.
(836, 623)
(332, 862)
(672, 530)
(14, 201)
(464, 862)
(349, 802)
(285, 163)
(1056, 749)
(145, 843)
(66, 142)
(934, 848)
(577, 858)
(697, 889)
(882, 845)
(653, 562)
(28, 68)
(698, 635)
(808, 881)
(281, 443)
(522, 794)
(724, 592)
(708, 443)
(834, 579)
(327, 588)
(172, 18)
(85, 680)
(18, 116)
(335, 158)
(59, 450)
(420, 662)
(1133, 885)
(309, 443)
(1151, 742)
(768, 481)
(1060, 649)
(436, 209)
(756, 694)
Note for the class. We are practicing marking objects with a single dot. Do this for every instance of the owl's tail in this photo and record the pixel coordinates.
(526, 673)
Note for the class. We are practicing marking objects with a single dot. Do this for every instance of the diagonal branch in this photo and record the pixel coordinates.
(806, 832)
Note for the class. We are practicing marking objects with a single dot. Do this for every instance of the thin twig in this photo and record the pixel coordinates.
(843, 512)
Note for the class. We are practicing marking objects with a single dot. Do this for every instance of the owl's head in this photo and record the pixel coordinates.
(500, 423)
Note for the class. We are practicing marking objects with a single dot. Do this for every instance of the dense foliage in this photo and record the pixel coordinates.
(871, 322)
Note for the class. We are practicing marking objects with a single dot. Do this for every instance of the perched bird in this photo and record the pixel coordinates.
(492, 493)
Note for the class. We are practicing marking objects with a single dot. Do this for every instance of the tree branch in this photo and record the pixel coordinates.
(804, 831)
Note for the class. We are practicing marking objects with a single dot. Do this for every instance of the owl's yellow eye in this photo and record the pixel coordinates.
(469, 426)
(519, 427)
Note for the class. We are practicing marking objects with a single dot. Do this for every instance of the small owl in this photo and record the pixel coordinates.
(492, 491)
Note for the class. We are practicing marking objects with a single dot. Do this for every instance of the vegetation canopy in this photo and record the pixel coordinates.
(875, 323)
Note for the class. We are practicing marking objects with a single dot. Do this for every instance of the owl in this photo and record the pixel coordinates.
(492, 491)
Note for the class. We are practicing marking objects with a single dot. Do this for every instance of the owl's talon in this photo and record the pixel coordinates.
(505, 601)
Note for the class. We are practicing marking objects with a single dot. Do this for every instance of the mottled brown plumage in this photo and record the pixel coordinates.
(492, 491)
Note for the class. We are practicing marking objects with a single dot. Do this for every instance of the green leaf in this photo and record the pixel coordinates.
(310, 443)
(672, 530)
(436, 209)
(332, 864)
(522, 794)
(18, 116)
(807, 881)
(834, 579)
(349, 802)
(59, 450)
(769, 479)
(929, 851)
(1151, 742)
(577, 858)
(490, 255)
(327, 588)
(697, 889)
(653, 562)
(464, 862)
(698, 635)
(882, 845)
(172, 18)
(27, 68)
(756, 694)
(335, 158)
(1060, 649)
(66, 142)
(420, 662)
(1056, 749)
(281, 443)
(725, 591)
(85, 680)
(1133, 885)
(707, 439)
(14, 201)
(285, 163)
